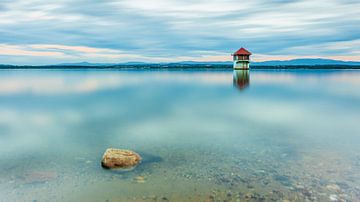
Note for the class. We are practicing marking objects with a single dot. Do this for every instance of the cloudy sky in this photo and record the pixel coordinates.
(58, 31)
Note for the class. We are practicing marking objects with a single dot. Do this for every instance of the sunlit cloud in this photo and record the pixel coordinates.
(83, 49)
(23, 51)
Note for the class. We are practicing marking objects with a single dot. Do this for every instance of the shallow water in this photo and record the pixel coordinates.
(203, 135)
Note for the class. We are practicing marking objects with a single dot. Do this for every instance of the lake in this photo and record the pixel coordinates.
(259, 135)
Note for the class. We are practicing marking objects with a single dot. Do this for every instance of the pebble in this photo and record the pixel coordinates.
(212, 197)
(333, 187)
(248, 195)
(299, 187)
(333, 197)
(139, 179)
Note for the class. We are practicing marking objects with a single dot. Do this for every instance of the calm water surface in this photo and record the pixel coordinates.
(203, 135)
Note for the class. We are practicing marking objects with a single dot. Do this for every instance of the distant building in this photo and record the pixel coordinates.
(241, 59)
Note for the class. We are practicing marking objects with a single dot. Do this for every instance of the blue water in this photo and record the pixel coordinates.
(279, 135)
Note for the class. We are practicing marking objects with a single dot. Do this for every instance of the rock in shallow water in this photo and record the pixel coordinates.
(120, 159)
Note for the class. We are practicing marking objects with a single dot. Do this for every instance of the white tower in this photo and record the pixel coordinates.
(241, 59)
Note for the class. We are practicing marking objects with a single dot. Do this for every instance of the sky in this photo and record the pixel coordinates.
(39, 32)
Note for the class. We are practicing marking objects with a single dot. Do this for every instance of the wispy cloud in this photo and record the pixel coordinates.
(17, 50)
(169, 30)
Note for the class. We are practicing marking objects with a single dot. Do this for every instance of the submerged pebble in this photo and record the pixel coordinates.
(139, 179)
(333, 187)
(333, 197)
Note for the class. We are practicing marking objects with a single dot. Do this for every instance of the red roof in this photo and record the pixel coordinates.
(242, 51)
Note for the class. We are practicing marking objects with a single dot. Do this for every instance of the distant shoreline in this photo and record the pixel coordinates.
(180, 66)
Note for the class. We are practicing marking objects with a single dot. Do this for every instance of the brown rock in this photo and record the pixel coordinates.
(120, 158)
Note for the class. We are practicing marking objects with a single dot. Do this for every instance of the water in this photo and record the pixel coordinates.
(203, 135)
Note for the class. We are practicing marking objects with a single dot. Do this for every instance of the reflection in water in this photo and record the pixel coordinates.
(241, 78)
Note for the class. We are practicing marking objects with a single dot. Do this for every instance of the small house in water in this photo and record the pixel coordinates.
(241, 59)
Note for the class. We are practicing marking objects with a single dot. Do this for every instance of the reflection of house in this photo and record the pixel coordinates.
(241, 59)
(241, 78)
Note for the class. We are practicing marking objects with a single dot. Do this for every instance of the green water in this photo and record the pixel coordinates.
(204, 135)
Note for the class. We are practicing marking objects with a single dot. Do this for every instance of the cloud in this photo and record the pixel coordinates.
(22, 51)
(350, 48)
(167, 30)
(63, 52)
